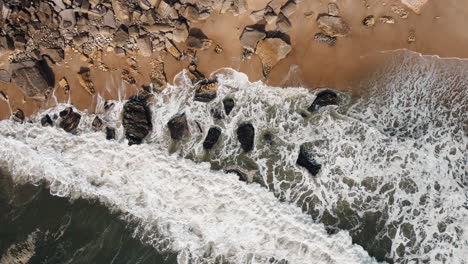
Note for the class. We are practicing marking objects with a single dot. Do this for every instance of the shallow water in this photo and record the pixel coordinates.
(393, 177)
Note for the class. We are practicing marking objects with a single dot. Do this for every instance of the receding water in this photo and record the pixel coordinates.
(393, 177)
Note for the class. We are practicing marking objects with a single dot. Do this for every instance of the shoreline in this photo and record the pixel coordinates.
(309, 63)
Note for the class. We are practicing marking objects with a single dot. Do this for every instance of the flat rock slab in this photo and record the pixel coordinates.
(271, 51)
(34, 78)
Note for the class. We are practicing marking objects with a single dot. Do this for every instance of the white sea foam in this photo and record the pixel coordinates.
(399, 152)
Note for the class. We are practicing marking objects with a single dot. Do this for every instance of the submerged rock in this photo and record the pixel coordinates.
(306, 159)
(324, 98)
(97, 123)
(228, 104)
(136, 120)
(70, 120)
(212, 137)
(334, 26)
(110, 133)
(35, 78)
(178, 126)
(46, 121)
(205, 91)
(246, 135)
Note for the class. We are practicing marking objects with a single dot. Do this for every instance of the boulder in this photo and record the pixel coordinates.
(5, 76)
(228, 104)
(205, 91)
(173, 50)
(212, 137)
(178, 126)
(289, 8)
(324, 98)
(257, 16)
(84, 78)
(180, 33)
(63, 83)
(333, 25)
(307, 160)
(369, 21)
(246, 136)
(333, 9)
(121, 10)
(243, 174)
(198, 40)
(18, 116)
(70, 120)
(46, 121)
(145, 46)
(136, 120)
(283, 24)
(323, 38)
(35, 78)
(250, 38)
(97, 123)
(271, 51)
(110, 133)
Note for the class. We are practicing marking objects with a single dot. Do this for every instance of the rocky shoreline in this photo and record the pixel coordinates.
(63, 50)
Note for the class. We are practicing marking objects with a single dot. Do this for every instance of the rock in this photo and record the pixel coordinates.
(68, 19)
(84, 78)
(195, 75)
(411, 36)
(333, 26)
(324, 98)
(121, 36)
(35, 78)
(236, 7)
(218, 49)
(243, 174)
(323, 38)
(190, 12)
(257, 16)
(46, 121)
(136, 120)
(178, 126)
(18, 116)
(228, 104)
(306, 159)
(5, 76)
(289, 8)
(275, 4)
(333, 9)
(157, 28)
(283, 24)
(250, 38)
(144, 4)
(387, 20)
(173, 50)
(144, 46)
(271, 51)
(212, 137)
(198, 40)
(110, 133)
(167, 11)
(369, 21)
(97, 123)
(400, 11)
(121, 10)
(109, 20)
(206, 90)
(246, 136)
(180, 33)
(270, 16)
(63, 83)
(415, 5)
(56, 55)
(158, 76)
(70, 120)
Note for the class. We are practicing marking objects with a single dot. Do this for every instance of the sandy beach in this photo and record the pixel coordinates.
(437, 30)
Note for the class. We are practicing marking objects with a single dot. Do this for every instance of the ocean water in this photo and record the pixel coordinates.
(393, 183)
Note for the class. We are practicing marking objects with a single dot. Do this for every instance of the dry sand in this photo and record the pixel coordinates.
(440, 29)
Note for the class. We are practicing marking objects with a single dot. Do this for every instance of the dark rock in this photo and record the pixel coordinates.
(110, 133)
(97, 123)
(268, 137)
(246, 135)
(136, 120)
(205, 91)
(324, 98)
(212, 137)
(18, 116)
(323, 38)
(228, 104)
(35, 78)
(178, 126)
(369, 21)
(70, 120)
(46, 121)
(216, 113)
(243, 176)
(306, 159)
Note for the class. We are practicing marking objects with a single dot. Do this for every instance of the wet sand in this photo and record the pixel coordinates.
(439, 29)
